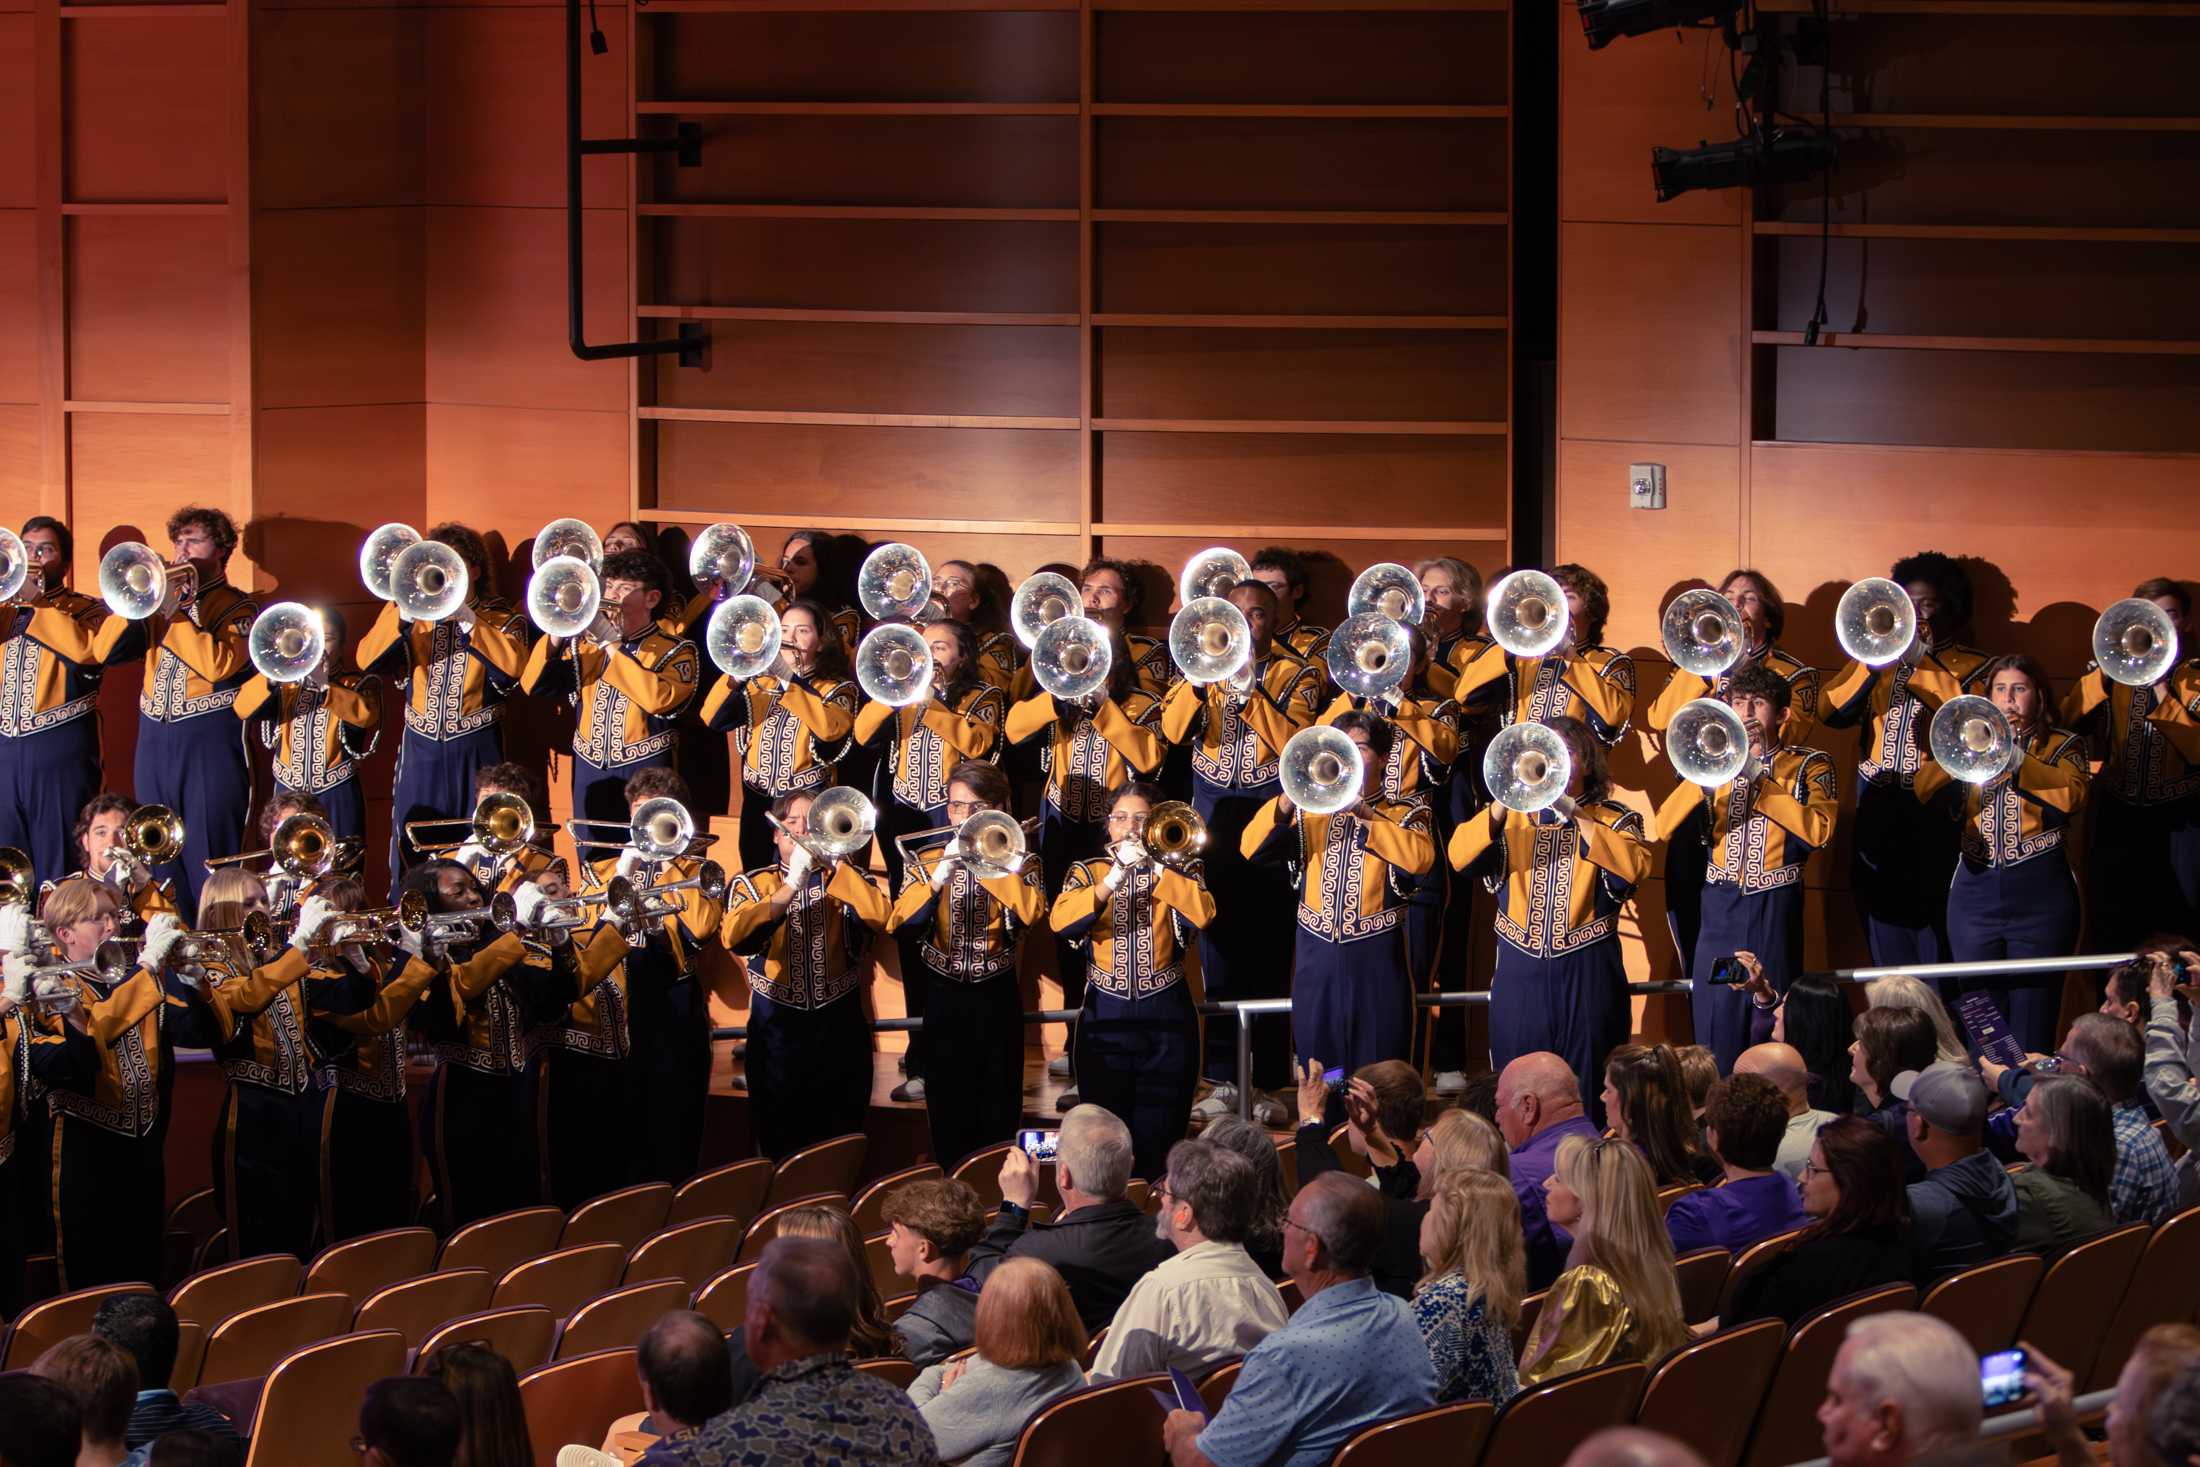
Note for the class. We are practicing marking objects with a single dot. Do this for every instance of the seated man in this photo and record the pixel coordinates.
(687, 1379)
(1101, 1244)
(1903, 1386)
(1538, 1106)
(144, 1325)
(1965, 1210)
(1350, 1357)
(931, 1228)
(1784, 1066)
(1211, 1302)
(1745, 1118)
(2107, 1049)
(409, 1421)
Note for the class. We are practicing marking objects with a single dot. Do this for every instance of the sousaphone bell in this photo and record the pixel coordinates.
(1320, 770)
(136, 583)
(288, 641)
(1707, 742)
(1972, 741)
(743, 636)
(565, 597)
(1072, 658)
(894, 665)
(1527, 767)
(895, 581)
(1209, 641)
(1875, 621)
(1041, 601)
(2135, 643)
(724, 557)
(428, 581)
(1389, 588)
(1369, 655)
(1211, 573)
(1527, 614)
(1702, 633)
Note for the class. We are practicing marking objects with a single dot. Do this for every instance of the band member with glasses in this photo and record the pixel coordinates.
(1283, 571)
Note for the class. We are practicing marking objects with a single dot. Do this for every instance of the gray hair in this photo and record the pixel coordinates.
(1347, 1215)
(810, 1285)
(1269, 1200)
(1217, 1185)
(1925, 1368)
(1096, 1151)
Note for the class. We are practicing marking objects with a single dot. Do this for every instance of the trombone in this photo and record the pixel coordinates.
(1174, 835)
(18, 882)
(502, 823)
(990, 843)
(842, 822)
(152, 837)
(303, 846)
(660, 829)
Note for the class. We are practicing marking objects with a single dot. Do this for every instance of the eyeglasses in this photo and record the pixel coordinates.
(1810, 1169)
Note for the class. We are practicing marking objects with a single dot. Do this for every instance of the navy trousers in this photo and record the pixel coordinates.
(974, 1088)
(1352, 1002)
(599, 792)
(435, 781)
(1573, 1005)
(1139, 1058)
(1899, 870)
(1245, 952)
(809, 1072)
(1767, 923)
(197, 768)
(266, 1144)
(347, 808)
(366, 1166)
(46, 779)
(2029, 910)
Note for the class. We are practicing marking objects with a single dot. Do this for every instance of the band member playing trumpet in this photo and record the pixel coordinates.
(1560, 876)
(791, 725)
(1138, 1038)
(319, 729)
(1764, 617)
(805, 926)
(969, 913)
(1901, 859)
(2013, 895)
(1755, 833)
(1283, 571)
(586, 1040)
(1580, 679)
(1351, 988)
(628, 676)
(1112, 594)
(457, 673)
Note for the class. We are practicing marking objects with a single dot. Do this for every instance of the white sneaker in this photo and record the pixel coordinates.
(1221, 1101)
(1271, 1113)
(909, 1089)
(1451, 1082)
(1058, 1067)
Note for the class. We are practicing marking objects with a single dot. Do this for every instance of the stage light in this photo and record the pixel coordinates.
(1784, 154)
(1607, 20)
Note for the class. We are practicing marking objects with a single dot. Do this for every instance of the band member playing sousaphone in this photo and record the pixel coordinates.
(1283, 571)
(1544, 653)
(319, 724)
(791, 719)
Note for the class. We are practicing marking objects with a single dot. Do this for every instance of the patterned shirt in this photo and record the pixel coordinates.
(1471, 1351)
(2145, 1187)
(818, 1409)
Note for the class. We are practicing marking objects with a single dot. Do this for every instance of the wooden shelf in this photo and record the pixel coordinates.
(143, 12)
(1884, 342)
(1823, 445)
(869, 318)
(1290, 5)
(2019, 232)
(852, 211)
(1301, 323)
(845, 522)
(2118, 9)
(1297, 216)
(856, 109)
(1204, 109)
(194, 210)
(162, 409)
(782, 7)
(1269, 529)
(649, 413)
(2013, 123)
(1401, 428)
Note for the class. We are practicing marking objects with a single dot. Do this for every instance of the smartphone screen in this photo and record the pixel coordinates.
(1040, 1146)
(2001, 1376)
(1334, 1079)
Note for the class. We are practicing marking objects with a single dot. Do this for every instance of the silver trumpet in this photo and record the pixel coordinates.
(1072, 658)
(1389, 588)
(1320, 770)
(1211, 573)
(895, 581)
(1527, 767)
(2134, 643)
(1875, 622)
(428, 581)
(136, 583)
(724, 557)
(1370, 654)
(1702, 633)
(743, 636)
(842, 822)
(1708, 743)
(565, 595)
(1971, 739)
(1527, 614)
(15, 565)
(1041, 601)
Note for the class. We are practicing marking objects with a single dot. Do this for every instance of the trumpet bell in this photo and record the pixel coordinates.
(1707, 742)
(154, 834)
(503, 822)
(15, 564)
(894, 665)
(1389, 588)
(1971, 740)
(1875, 621)
(287, 642)
(743, 636)
(18, 883)
(1527, 614)
(842, 822)
(1702, 633)
(2135, 643)
(895, 581)
(723, 555)
(990, 843)
(1174, 833)
(304, 845)
(1370, 654)
(564, 597)
(135, 582)
(1041, 601)
(576, 539)
(1211, 573)
(662, 829)
(1209, 641)
(428, 581)
(1527, 767)
(1320, 770)
(1072, 658)
(378, 557)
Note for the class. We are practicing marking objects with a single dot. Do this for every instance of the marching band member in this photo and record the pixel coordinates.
(968, 596)
(806, 934)
(587, 1047)
(1901, 858)
(1582, 680)
(2013, 895)
(629, 676)
(1560, 876)
(49, 700)
(1451, 594)
(1244, 952)
(1757, 832)
(1283, 571)
(1137, 1039)
(18, 1107)
(1764, 617)
(812, 568)
(108, 858)
(1112, 595)
(507, 872)
(791, 724)
(969, 929)
(961, 719)
(457, 673)
(320, 730)
(2143, 828)
(1351, 988)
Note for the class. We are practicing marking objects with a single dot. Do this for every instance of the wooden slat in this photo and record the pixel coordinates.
(1404, 428)
(142, 12)
(2116, 8)
(1220, 109)
(1982, 231)
(185, 409)
(1287, 5)
(856, 109)
(1297, 216)
(847, 522)
(1301, 323)
(155, 210)
(882, 318)
(749, 7)
(2012, 122)
(852, 211)
(852, 420)
(1328, 532)
(1883, 341)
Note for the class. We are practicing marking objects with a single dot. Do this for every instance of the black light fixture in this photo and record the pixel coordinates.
(1776, 156)
(1605, 21)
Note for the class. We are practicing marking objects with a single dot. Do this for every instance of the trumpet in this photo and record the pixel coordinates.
(438, 928)
(723, 556)
(113, 961)
(18, 882)
(256, 939)
(842, 822)
(743, 637)
(1072, 658)
(1389, 588)
(15, 566)
(894, 665)
(374, 925)
(1173, 834)
(656, 901)
(378, 558)
(1370, 654)
(573, 539)
(1702, 633)
(1875, 622)
(566, 595)
(1972, 740)
(1527, 614)
(1041, 601)
(1527, 767)
(895, 581)
(1320, 770)
(622, 909)
(501, 824)
(1211, 573)
(152, 837)
(428, 581)
(1708, 743)
(2134, 643)
(288, 641)
(136, 583)
(1209, 641)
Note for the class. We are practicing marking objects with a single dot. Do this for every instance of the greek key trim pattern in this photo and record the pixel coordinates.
(20, 664)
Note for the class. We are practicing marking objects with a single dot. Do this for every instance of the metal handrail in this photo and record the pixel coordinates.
(2017, 1422)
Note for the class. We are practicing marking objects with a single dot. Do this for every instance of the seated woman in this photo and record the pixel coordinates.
(1813, 1016)
(1853, 1187)
(2065, 1131)
(1469, 1300)
(1889, 1041)
(1271, 1202)
(1646, 1102)
(1619, 1298)
(492, 1421)
(873, 1336)
(1029, 1342)
(1904, 992)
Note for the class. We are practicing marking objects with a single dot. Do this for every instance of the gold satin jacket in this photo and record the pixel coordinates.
(1089, 756)
(455, 681)
(1802, 679)
(1898, 703)
(1560, 883)
(789, 735)
(1354, 874)
(929, 741)
(317, 734)
(628, 695)
(1593, 684)
(2141, 764)
(971, 927)
(2021, 814)
(1240, 743)
(1138, 935)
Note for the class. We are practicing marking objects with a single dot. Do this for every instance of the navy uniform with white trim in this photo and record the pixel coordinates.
(49, 720)
(629, 693)
(319, 732)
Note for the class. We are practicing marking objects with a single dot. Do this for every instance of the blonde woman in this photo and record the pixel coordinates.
(1458, 1141)
(1469, 1300)
(1904, 992)
(1029, 1343)
(1618, 1299)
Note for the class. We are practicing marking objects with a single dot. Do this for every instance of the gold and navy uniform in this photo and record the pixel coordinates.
(479, 1116)
(1683, 688)
(366, 1134)
(628, 694)
(1896, 704)
(1141, 934)
(2142, 761)
(2142, 831)
(1240, 740)
(49, 721)
(789, 735)
(1452, 655)
(1593, 684)
(1000, 659)
(1304, 638)
(2022, 815)
(1150, 656)
(809, 1055)
(968, 931)
(928, 741)
(1425, 746)
(318, 736)
(1089, 755)
(585, 1040)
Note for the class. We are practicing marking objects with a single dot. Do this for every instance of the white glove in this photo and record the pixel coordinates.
(313, 919)
(944, 870)
(55, 993)
(630, 861)
(1564, 807)
(1013, 866)
(161, 936)
(410, 941)
(798, 866)
(16, 966)
(15, 928)
(472, 856)
(528, 900)
(464, 619)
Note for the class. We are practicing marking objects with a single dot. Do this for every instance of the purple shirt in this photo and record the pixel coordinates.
(1736, 1215)
(1533, 1161)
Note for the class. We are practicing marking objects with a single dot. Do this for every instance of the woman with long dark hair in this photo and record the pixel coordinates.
(1814, 1017)
(1646, 1102)
(1853, 1186)
(2065, 1130)
(492, 1420)
(791, 724)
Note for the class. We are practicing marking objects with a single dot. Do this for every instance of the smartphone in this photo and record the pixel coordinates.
(1334, 1079)
(1040, 1146)
(2001, 1376)
(1730, 972)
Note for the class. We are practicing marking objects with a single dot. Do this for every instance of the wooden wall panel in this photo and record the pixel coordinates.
(1307, 58)
(864, 265)
(495, 306)
(1021, 371)
(130, 471)
(1302, 269)
(146, 110)
(19, 329)
(1299, 163)
(952, 473)
(326, 477)
(1323, 375)
(336, 99)
(1306, 480)
(148, 309)
(1017, 555)
(19, 459)
(337, 313)
(2110, 179)
(496, 108)
(511, 469)
(1650, 324)
(18, 127)
(894, 162)
(935, 56)
(1647, 556)
(1615, 104)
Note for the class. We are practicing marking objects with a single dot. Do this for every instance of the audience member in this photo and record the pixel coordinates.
(2111, 1052)
(189, 1447)
(1852, 1186)
(2156, 1359)
(1029, 1343)
(1469, 1299)
(812, 1404)
(687, 1378)
(1904, 1385)
(2063, 1129)
(1456, 1141)
(408, 1421)
(873, 1335)
(1699, 1071)
(1480, 1096)
(2171, 1058)
(1783, 1065)
(1538, 1107)
(492, 1421)
(1964, 1211)
(2173, 1420)
(1888, 1042)
(1383, 1104)
(40, 1425)
(1210, 1302)
(1633, 1446)
(1745, 1119)
(1271, 1203)
(144, 1325)
(1618, 1298)
(1350, 1357)
(1904, 992)
(101, 1378)
(1101, 1244)
(931, 1228)
(1813, 1017)
(1646, 1103)
(2124, 992)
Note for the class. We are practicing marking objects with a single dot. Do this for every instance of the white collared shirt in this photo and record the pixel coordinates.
(1208, 1303)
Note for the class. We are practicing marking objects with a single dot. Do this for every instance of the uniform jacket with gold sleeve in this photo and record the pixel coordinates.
(816, 951)
(589, 977)
(1000, 658)
(1560, 883)
(1354, 873)
(1425, 743)
(1306, 639)
(629, 694)
(789, 734)
(261, 1020)
(50, 663)
(1760, 832)
(487, 1023)
(1897, 703)
(1593, 684)
(2021, 813)
(1138, 935)
(115, 1072)
(360, 1026)
(194, 661)
(970, 928)
(318, 734)
(928, 740)
(689, 926)
(2142, 761)
(1090, 755)
(455, 680)
(1683, 688)
(1241, 740)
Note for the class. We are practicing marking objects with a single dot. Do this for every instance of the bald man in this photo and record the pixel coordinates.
(1538, 1106)
(1783, 1065)
(1633, 1446)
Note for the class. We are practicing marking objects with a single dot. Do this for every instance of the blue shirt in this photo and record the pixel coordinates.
(2145, 1189)
(1736, 1215)
(1351, 1356)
